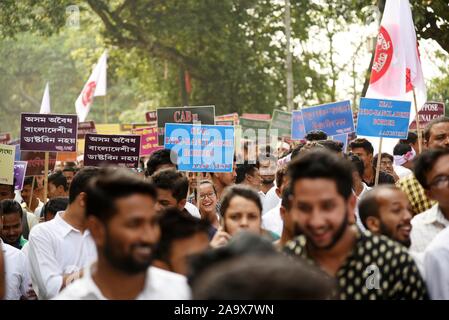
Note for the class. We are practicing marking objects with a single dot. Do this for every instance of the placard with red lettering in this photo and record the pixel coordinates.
(148, 140)
(186, 115)
(428, 112)
(118, 150)
(48, 132)
(36, 162)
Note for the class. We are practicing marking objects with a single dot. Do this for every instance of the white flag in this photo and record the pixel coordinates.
(396, 67)
(45, 104)
(95, 86)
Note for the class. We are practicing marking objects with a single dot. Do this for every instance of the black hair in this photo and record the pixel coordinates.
(80, 181)
(323, 164)
(362, 143)
(315, 135)
(285, 200)
(175, 225)
(248, 277)
(55, 205)
(383, 155)
(57, 178)
(69, 169)
(205, 182)
(111, 184)
(244, 169)
(170, 179)
(296, 150)
(357, 163)
(430, 125)
(11, 206)
(158, 158)
(242, 191)
(369, 206)
(425, 162)
(412, 138)
(28, 181)
(401, 149)
(332, 145)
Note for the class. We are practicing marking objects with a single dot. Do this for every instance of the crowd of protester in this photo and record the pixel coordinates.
(303, 221)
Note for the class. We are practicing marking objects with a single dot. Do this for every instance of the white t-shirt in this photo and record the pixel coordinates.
(272, 220)
(270, 201)
(193, 210)
(159, 285)
(16, 272)
(402, 172)
(55, 249)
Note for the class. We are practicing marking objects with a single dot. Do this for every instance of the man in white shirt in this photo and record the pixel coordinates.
(359, 187)
(59, 249)
(436, 261)
(123, 220)
(272, 220)
(403, 159)
(432, 172)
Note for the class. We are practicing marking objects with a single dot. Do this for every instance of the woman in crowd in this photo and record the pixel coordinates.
(241, 210)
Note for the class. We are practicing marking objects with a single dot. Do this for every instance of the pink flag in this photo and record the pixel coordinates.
(95, 86)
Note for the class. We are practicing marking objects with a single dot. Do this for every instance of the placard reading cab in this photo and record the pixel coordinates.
(298, 129)
(19, 174)
(201, 148)
(282, 121)
(332, 118)
(36, 162)
(5, 138)
(428, 112)
(7, 154)
(48, 132)
(119, 150)
(148, 140)
(383, 118)
(203, 114)
(85, 128)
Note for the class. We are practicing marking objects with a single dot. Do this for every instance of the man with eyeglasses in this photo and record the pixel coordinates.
(432, 172)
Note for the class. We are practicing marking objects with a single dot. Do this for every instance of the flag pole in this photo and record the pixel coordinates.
(379, 156)
(106, 102)
(31, 194)
(418, 129)
(46, 177)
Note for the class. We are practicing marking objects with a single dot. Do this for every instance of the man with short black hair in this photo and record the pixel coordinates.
(431, 170)
(161, 159)
(436, 136)
(12, 215)
(53, 206)
(322, 207)
(33, 205)
(59, 249)
(182, 236)
(122, 219)
(364, 150)
(248, 174)
(316, 135)
(69, 172)
(57, 185)
(172, 188)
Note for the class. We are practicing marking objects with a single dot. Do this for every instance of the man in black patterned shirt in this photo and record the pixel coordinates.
(366, 266)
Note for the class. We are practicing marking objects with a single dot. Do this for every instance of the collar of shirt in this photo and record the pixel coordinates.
(65, 228)
(365, 189)
(435, 216)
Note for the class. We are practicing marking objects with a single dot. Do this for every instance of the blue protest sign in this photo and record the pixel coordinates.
(383, 118)
(298, 130)
(332, 118)
(201, 148)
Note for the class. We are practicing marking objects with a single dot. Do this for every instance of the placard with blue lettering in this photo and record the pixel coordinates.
(298, 130)
(332, 118)
(201, 148)
(383, 118)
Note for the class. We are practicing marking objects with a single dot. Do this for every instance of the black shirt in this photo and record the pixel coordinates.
(377, 268)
